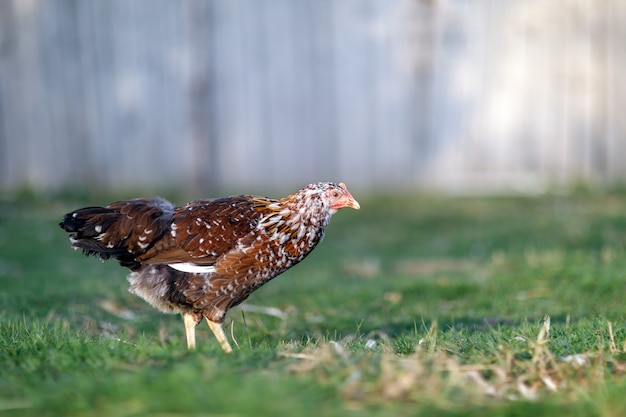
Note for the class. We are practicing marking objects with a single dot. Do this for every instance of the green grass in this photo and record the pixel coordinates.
(416, 305)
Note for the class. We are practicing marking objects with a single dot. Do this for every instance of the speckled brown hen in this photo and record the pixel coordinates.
(205, 257)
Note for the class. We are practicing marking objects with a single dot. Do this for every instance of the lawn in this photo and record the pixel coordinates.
(415, 305)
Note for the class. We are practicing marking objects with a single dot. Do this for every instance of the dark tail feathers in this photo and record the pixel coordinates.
(123, 230)
(85, 234)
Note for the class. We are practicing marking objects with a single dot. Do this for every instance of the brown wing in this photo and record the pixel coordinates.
(202, 231)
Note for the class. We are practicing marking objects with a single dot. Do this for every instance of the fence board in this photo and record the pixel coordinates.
(517, 95)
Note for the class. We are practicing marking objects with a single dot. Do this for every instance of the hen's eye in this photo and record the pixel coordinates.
(335, 194)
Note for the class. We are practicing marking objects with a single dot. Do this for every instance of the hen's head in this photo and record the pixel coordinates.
(332, 196)
(339, 197)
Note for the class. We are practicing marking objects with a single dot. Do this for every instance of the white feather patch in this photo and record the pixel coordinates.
(193, 268)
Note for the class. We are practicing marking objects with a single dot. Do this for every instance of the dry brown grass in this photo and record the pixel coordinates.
(436, 376)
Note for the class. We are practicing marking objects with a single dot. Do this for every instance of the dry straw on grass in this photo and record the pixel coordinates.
(434, 375)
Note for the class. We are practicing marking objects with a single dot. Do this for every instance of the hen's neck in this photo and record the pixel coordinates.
(299, 217)
(306, 208)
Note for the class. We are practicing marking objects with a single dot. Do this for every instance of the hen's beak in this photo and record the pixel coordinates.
(352, 203)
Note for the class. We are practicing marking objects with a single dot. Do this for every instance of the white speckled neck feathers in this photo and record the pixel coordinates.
(302, 217)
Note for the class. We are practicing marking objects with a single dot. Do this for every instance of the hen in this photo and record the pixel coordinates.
(205, 257)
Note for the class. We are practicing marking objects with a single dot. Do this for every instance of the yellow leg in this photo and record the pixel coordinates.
(219, 335)
(191, 321)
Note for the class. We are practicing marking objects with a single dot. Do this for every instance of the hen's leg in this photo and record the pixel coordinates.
(219, 335)
(191, 321)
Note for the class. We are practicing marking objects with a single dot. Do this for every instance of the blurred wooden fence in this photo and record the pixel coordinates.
(487, 94)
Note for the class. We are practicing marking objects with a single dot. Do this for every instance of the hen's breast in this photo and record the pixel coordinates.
(272, 248)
